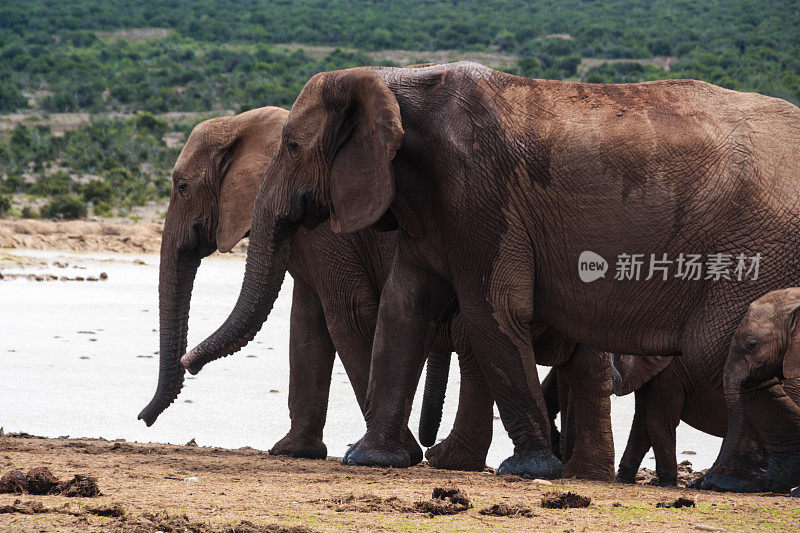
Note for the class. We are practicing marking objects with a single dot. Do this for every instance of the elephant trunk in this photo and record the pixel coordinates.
(736, 417)
(740, 462)
(176, 279)
(433, 398)
(267, 261)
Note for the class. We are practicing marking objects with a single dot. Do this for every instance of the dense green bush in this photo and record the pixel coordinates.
(11, 97)
(220, 54)
(97, 191)
(65, 206)
(51, 184)
(225, 55)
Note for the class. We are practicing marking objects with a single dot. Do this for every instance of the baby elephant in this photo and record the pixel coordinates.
(766, 349)
(668, 390)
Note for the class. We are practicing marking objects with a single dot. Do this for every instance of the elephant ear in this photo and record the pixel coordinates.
(791, 359)
(368, 134)
(630, 373)
(240, 161)
(237, 197)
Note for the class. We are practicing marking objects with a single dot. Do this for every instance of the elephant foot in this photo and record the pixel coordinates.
(586, 468)
(667, 480)
(452, 454)
(383, 451)
(783, 472)
(300, 446)
(627, 474)
(414, 451)
(727, 483)
(539, 464)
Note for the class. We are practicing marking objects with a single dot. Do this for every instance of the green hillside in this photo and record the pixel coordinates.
(207, 57)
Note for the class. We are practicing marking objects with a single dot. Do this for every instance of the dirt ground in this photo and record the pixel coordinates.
(156, 487)
(97, 236)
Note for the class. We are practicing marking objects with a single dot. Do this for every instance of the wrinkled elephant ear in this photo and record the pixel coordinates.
(244, 149)
(791, 359)
(368, 134)
(237, 196)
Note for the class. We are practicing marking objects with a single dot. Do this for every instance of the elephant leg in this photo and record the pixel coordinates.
(311, 355)
(664, 398)
(413, 302)
(589, 379)
(500, 335)
(469, 440)
(777, 419)
(638, 441)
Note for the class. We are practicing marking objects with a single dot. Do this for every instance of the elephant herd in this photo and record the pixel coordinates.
(443, 208)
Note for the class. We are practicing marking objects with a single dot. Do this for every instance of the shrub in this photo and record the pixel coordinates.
(102, 209)
(13, 183)
(65, 206)
(29, 212)
(97, 191)
(151, 124)
(5, 204)
(52, 184)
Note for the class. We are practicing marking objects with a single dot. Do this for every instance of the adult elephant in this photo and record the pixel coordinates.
(215, 181)
(498, 184)
(337, 285)
(213, 184)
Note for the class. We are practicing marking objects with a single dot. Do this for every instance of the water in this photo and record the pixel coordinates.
(55, 380)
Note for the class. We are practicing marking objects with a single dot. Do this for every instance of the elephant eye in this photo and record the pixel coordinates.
(183, 188)
(751, 345)
(293, 148)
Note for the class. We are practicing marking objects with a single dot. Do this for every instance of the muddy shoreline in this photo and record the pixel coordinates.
(166, 487)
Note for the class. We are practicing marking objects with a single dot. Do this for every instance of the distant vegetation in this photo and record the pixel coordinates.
(123, 163)
(211, 55)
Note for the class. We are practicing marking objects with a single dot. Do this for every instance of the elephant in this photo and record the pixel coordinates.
(336, 289)
(497, 185)
(667, 390)
(764, 351)
(209, 209)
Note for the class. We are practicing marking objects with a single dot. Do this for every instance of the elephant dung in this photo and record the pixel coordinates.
(40, 480)
(13, 482)
(505, 509)
(564, 500)
(445, 501)
(82, 485)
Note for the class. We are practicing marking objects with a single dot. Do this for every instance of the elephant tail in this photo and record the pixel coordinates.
(433, 397)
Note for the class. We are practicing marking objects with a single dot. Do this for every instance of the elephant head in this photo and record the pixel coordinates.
(334, 160)
(766, 344)
(764, 350)
(214, 184)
